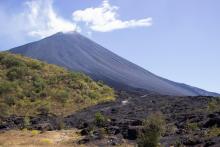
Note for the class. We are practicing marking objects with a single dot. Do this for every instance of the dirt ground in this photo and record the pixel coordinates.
(62, 138)
(25, 138)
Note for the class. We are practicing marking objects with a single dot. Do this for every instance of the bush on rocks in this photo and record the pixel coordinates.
(154, 127)
(100, 119)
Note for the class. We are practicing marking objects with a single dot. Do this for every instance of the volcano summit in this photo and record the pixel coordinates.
(78, 53)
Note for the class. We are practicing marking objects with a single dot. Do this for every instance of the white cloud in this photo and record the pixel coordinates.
(105, 18)
(13, 28)
(37, 19)
(43, 20)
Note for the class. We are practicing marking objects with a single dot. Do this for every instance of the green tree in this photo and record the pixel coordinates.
(100, 119)
(154, 127)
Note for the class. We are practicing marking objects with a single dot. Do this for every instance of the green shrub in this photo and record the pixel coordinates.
(192, 126)
(62, 96)
(83, 85)
(213, 105)
(6, 87)
(10, 61)
(4, 110)
(154, 127)
(26, 122)
(52, 80)
(94, 94)
(26, 106)
(17, 73)
(75, 76)
(100, 83)
(87, 79)
(44, 108)
(35, 65)
(100, 119)
(30, 107)
(10, 100)
(39, 84)
(74, 85)
(213, 132)
(178, 143)
(107, 90)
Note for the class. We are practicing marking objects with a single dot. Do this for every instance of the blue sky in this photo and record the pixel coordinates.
(178, 40)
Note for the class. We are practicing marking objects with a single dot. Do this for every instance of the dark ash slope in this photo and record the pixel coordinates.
(78, 53)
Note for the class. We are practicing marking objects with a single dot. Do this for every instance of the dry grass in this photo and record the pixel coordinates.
(63, 138)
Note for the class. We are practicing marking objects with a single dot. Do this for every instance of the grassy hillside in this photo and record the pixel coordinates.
(29, 87)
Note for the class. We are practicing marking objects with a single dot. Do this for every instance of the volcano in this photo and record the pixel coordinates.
(78, 53)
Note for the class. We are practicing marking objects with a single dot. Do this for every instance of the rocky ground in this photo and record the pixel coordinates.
(190, 121)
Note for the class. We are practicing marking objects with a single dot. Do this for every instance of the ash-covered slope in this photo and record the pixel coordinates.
(78, 53)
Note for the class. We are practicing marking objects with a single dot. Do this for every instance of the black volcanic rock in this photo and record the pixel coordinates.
(78, 53)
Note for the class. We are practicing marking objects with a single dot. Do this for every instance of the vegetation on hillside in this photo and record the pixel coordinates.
(29, 87)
